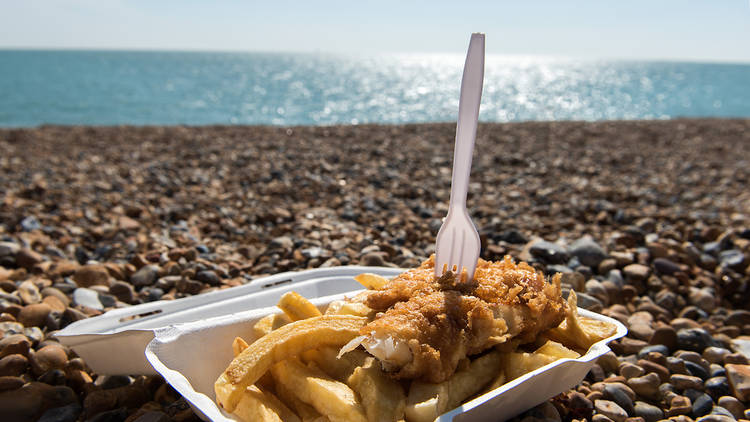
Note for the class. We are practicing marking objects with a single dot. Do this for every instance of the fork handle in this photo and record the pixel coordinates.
(468, 113)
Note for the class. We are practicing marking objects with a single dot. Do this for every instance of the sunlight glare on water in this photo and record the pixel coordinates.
(90, 87)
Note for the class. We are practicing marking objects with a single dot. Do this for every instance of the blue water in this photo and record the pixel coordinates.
(107, 87)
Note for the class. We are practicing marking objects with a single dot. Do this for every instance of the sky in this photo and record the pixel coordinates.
(696, 30)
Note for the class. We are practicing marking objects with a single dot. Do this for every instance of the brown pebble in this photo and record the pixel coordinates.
(646, 385)
(654, 367)
(32, 399)
(48, 357)
(736, 358)
(610, 409)
(676, 366)
(608, 362)
(34, 315)
(629, 346)
(600, 418)
(715, 354)
(635, 419)
(54, 303)
(26, 258)
(734, 406)
(91, 275)
(14, 343)
(739, 379)
(629, 370)
(99, 401)
(29, 293)
(679, 405)
(13, 365)
(7, 317)
(11, 383)
(685, 382)
(595, 395)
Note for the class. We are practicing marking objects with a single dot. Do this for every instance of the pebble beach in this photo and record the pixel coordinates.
(648, 221)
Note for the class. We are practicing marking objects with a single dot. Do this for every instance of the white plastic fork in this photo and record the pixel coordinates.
(457, 245)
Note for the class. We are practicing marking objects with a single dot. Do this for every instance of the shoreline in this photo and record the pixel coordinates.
(649, 221)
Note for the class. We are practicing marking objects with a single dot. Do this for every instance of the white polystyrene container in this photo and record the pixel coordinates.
(191, 356)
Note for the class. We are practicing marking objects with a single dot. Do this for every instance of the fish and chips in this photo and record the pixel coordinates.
(410, 348)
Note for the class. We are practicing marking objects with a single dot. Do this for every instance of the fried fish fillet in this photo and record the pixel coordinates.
(426, 325)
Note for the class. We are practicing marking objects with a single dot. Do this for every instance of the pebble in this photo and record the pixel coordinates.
(646, 385)
(30, 401)
(741, 345)
(734, 406)
(679, 405)
(618, 393)
(372, 259)
(91, 275)
(636, 272)
(155, 416)
(26, 258)
(15, 343)
(666, 336)
(34, 315)
(209, 277)
(702, 405)
(588, 252)
(87, 297)
(694, 339)
(648, 411)
(48, 357)
(715, 354)
(657, 348)
(8, 383)
(629, 370)
(191, 287)
(739, 379)
(684, 382)
(665, 266)
(611, 410)
(29, 293)
(548, 252)
(655, 368)
(13, 365)
(717, 387)
(696, 370)
(67, 413)
(145, 276)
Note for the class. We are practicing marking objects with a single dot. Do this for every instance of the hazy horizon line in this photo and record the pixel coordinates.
(375, 54)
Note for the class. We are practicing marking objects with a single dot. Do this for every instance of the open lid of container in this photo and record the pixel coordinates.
(114, 343)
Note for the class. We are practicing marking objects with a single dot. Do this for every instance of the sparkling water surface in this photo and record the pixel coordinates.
(163, 88)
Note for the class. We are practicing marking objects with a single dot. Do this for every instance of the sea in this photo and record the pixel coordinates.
(202, 88)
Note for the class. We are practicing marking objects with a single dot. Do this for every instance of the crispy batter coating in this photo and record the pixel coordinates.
(443, 320)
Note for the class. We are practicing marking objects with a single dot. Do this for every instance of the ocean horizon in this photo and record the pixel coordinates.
(119, 87)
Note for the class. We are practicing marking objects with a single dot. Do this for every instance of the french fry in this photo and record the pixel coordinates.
(238, 345)
(257, 405)
(306, 412)
(382, 397)
(269, 323)
(557, 350)
(579, 331)
(297, 307)
(517, 364)
(426, 401)
(289, 340)
(328, 396)
(342, 307)
(371, 281)
(499, 380)
(326, 358)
